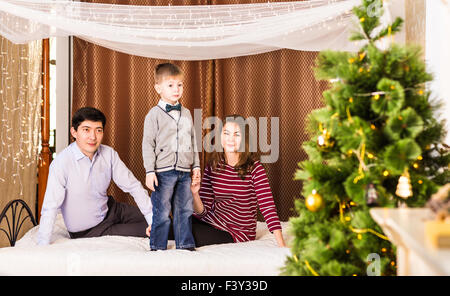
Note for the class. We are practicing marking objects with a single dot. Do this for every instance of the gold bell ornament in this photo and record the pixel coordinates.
(404, 188)
(314, 201)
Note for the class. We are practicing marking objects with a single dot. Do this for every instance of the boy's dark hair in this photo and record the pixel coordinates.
(166, 69)
(87, 113)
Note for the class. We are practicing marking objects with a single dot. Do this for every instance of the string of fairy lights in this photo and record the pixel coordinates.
(20, 89)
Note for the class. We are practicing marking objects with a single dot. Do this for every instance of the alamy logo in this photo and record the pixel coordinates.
(374, 267)
(374, 9)
(258, 135)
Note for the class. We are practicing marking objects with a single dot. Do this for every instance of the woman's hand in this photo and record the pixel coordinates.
(279, 237)
(195, 186)
(147, 231)
(196, 174)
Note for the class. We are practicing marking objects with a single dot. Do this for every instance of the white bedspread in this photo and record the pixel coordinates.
(116, 255)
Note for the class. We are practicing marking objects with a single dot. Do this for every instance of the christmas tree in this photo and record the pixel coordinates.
(375, 143)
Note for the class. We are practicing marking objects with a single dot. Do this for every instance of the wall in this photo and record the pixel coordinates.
(437, 54)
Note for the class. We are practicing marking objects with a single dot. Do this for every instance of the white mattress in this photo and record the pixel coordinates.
(116, 255)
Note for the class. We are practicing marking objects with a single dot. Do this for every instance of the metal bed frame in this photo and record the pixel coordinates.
(16, 207)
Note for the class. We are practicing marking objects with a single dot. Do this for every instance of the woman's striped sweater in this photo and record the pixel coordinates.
(230, 203)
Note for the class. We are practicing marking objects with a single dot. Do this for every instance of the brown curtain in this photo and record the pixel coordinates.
(276, 84)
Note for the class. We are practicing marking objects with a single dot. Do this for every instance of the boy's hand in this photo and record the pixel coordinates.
(147, 231)
(151, 181)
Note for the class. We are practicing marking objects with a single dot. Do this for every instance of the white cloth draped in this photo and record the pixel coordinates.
(186, 32)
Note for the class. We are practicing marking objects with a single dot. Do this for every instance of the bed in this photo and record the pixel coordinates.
(115, 255)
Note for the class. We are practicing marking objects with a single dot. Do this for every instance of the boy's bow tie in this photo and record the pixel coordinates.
(170, 107)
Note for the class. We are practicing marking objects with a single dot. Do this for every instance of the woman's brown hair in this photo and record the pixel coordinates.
(247, 158)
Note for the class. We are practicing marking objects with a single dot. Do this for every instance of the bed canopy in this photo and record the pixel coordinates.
(187, 32)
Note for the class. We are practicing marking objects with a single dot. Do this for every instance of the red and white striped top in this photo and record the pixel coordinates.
(230, 202)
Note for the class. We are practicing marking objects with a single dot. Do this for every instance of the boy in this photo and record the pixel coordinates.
(78, 179)
(168, 151)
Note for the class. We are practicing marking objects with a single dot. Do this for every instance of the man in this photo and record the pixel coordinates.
(77, 183)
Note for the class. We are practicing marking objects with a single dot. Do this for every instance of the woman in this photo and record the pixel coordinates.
(233, 185)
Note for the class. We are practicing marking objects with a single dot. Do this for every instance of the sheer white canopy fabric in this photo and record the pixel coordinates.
(186, 32)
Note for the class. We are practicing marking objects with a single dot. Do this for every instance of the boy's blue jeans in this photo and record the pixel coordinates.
(172, 193)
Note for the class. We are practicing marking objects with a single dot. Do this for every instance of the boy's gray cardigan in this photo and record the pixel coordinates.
(168, 144)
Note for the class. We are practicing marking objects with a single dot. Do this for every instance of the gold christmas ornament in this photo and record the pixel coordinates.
(404, 188)
(362, 55)
(324, 141)
(314, 201)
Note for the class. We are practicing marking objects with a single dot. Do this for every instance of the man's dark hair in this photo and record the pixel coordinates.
(87, 113)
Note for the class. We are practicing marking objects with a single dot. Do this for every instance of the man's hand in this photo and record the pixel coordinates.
(147, 231)
(151, 181)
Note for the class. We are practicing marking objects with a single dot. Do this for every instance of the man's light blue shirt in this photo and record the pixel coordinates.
(77, 186)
